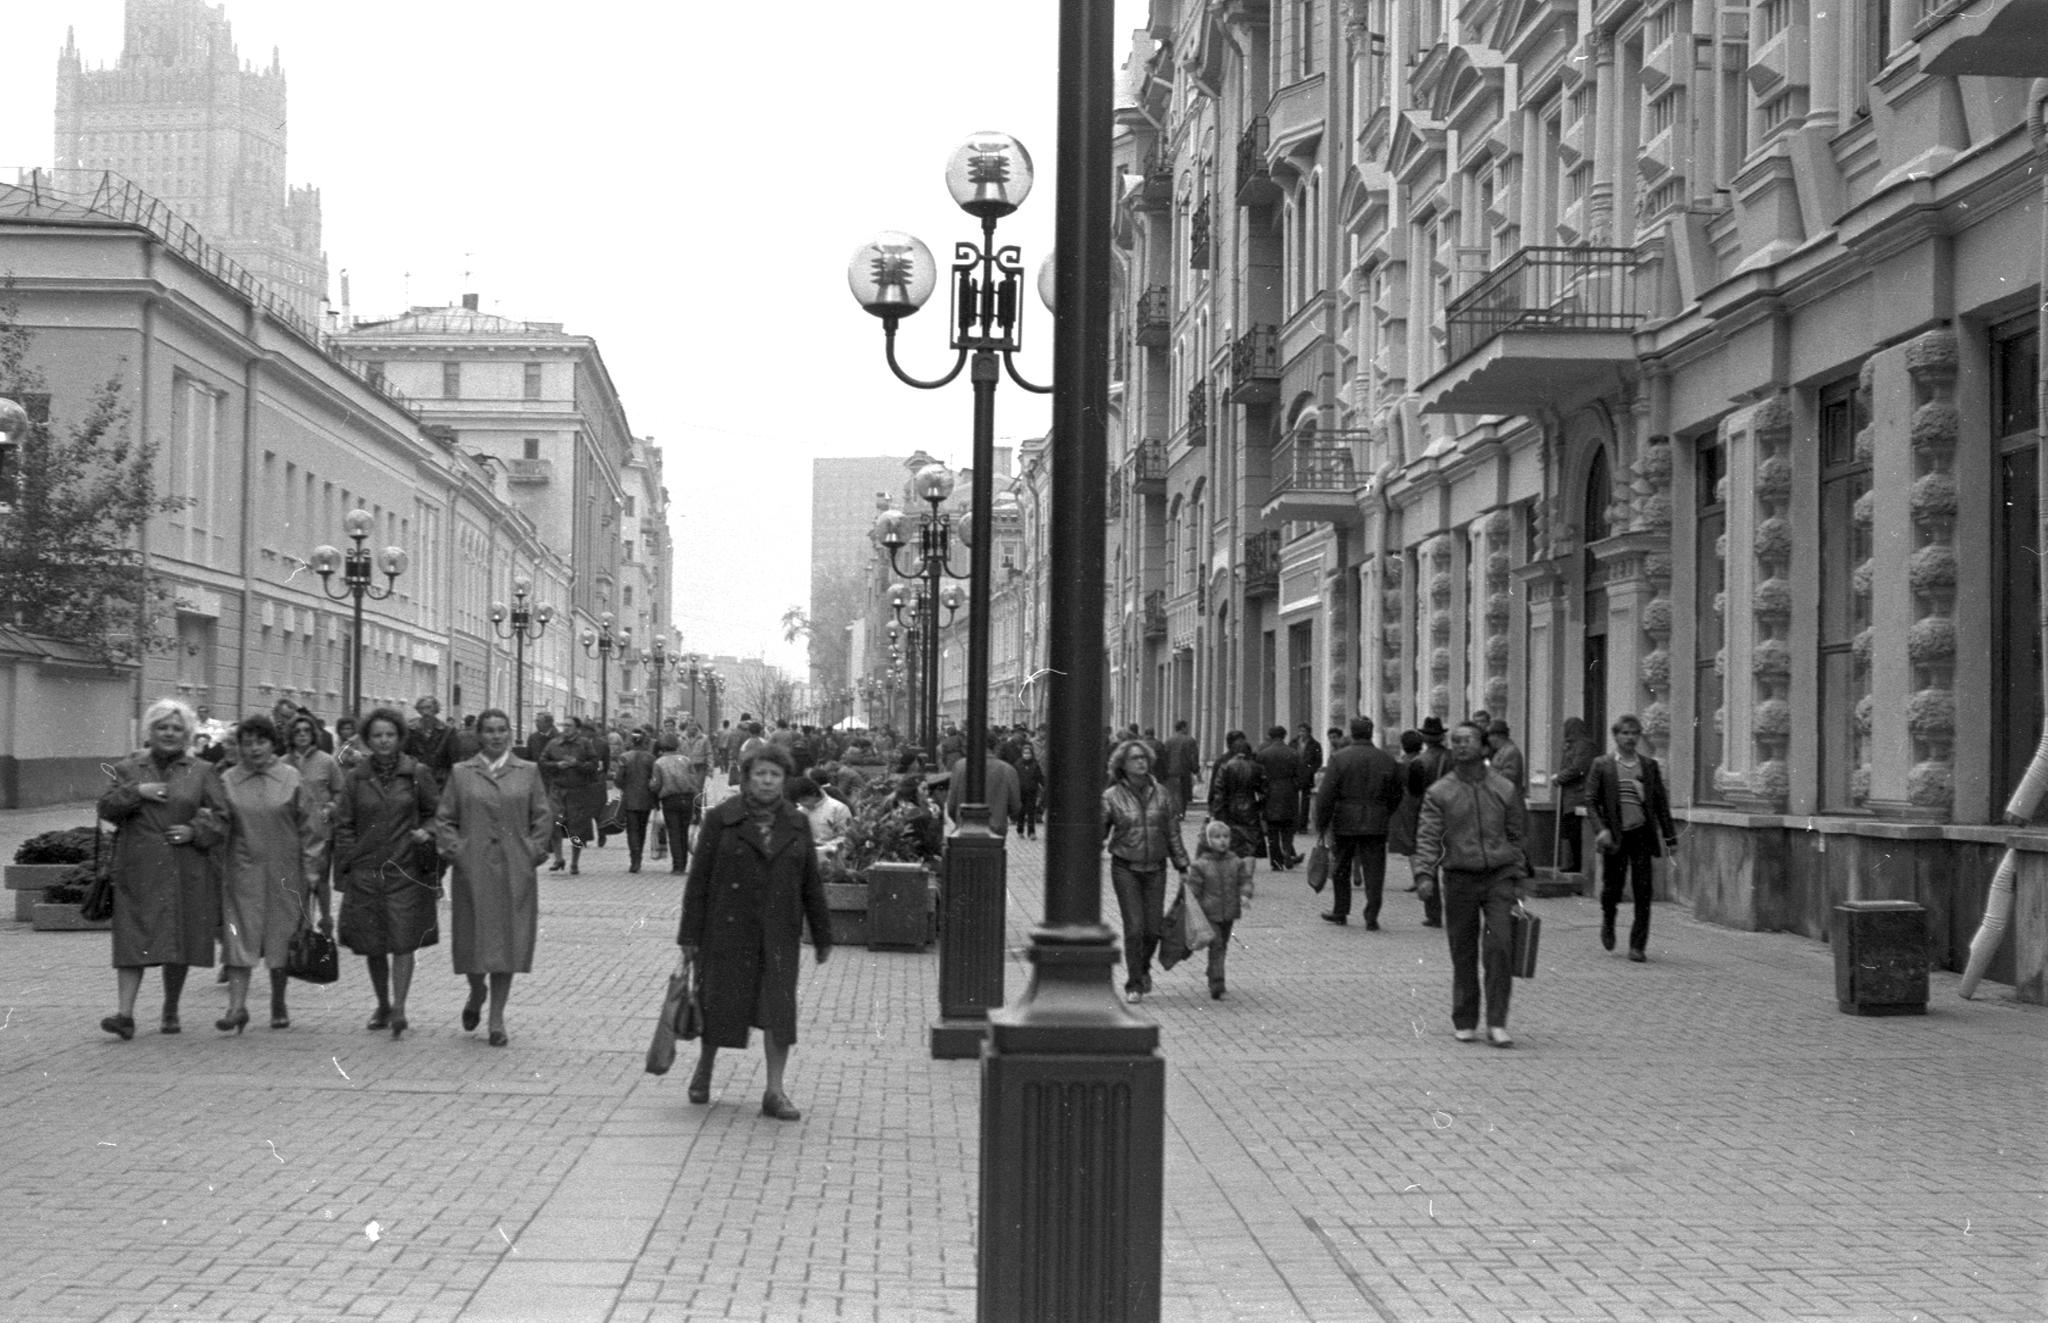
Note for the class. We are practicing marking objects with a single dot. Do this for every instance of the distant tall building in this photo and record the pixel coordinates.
(842, 559)
(190, 123)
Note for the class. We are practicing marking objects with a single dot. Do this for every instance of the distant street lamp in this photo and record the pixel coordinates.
(355, 567)
(522, 622)
(601, 643)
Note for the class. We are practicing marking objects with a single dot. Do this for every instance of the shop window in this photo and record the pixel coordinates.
(1845, 547)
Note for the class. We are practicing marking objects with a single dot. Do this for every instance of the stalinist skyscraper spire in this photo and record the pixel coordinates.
(190, 123)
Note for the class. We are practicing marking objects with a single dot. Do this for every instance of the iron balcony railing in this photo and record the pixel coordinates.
(1198, 236)
(1155, 317)
(1255, 186)
(1545, 290)
(1198, 413)
(1305, 461)
(1255, 366)
(1262, 563)
(1148, 463)
(103, 194)
(1156, 194)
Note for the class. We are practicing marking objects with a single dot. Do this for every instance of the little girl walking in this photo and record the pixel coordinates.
(1222, 883)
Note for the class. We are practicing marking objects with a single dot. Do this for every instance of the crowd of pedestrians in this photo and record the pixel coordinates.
(1451, 803)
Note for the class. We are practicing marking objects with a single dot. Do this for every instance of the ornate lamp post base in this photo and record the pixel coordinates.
(1073, 1134)
(974, 892)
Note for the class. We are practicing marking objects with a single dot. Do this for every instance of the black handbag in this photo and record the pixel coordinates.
(311, 954)
(96, 905)
(1319, 865)
(681, 1018)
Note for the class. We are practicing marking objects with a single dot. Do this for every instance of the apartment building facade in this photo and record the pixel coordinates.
(1569, 360)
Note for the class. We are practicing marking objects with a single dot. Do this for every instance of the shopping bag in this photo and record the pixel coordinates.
(1173, 947)
(1524, 931)
(1319, 865)
(680, 1018)
(311, 954)
(1196, 931)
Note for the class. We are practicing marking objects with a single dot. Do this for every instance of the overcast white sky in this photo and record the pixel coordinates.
(683, 181)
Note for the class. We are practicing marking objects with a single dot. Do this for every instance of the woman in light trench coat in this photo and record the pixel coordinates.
(493, 822)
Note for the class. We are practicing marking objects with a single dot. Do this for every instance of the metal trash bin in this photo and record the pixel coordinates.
(1880, 957)
(899, 907)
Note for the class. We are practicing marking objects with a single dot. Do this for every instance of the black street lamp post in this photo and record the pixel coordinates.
(891, 276)
(522, 622)
(1073, 1088)
(354, 565)
(601, 643)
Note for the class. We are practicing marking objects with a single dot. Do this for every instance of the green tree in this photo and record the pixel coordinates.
(71, 563)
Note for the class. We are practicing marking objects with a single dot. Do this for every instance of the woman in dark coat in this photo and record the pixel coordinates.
(753, 887)
(386, 865)
(576, 773)
(170, 816)
(493, 823)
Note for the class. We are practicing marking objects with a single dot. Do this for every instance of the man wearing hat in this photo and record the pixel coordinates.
(1424, 770)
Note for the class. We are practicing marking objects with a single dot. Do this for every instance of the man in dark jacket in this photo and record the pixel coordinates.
(1625, 794)
(1428, 766)
(1237, 794)
(1469, 845)
(634, 776)
(1505, 757)
(1282, 766)
(1311, 762)
(1361, 789)
(1183, 758)
(430, 741)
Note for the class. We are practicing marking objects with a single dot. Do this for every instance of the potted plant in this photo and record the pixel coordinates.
(41, 863)
(896, 834)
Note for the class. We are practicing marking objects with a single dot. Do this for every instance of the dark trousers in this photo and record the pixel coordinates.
(1469, 897)
(1633, 863)
(1218, 949)
(1571, 840)
(1141, 896)
(1027, 823)
(636, 833)
(1280, 843)
(675, 815)
(1368, 854)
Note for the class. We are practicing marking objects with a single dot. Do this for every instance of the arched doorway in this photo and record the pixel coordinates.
(1593, 696)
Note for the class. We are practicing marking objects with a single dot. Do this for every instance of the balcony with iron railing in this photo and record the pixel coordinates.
(1549, 326)
(1153, 325)
(1153, 612)
(1255, 366)
(1315, 477)
(1197, 430)
(1262, 564)
(1255, 186)
(1199, 252)
(1155, 191)
(1148, 469)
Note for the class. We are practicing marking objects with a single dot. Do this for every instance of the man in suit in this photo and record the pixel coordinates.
(1183, 757)
(1626, 796)
(1282, 766)
(1355, 803)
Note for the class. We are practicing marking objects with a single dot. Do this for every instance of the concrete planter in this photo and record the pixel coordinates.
(28, 882)
(49, 918)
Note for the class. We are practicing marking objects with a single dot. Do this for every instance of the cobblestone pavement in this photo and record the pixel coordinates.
(1703, 1137)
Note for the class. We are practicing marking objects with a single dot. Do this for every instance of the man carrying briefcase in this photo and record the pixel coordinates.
(1468, 845)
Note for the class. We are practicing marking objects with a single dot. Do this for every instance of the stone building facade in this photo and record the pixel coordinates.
(1577, 359)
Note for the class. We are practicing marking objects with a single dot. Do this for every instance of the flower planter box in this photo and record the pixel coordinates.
(49, 918)
(904, 918)
(28, 882)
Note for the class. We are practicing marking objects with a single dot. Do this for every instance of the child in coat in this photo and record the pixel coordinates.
(1221, 881)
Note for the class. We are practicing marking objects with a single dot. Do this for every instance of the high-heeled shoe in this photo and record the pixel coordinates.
(700, 1086)
(472, 1013)
(170, 1024)
(499, 1038)
(780, 1107)
(235, 1020)
(380, 1018)
(398, 1026)
(558, 865)
(121, 1026)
